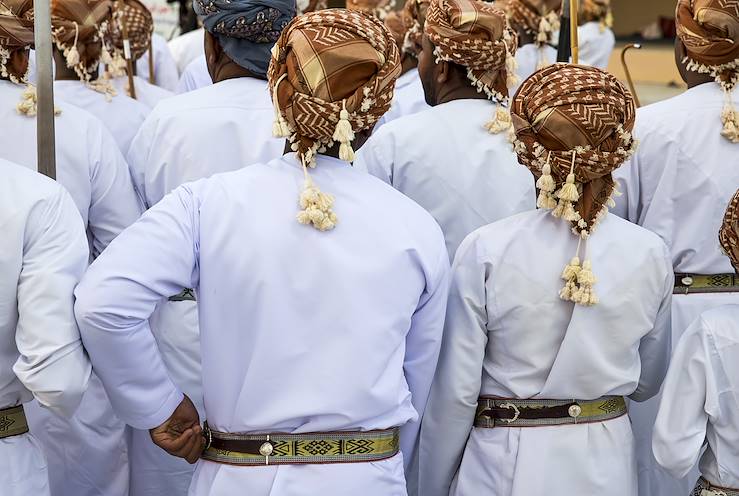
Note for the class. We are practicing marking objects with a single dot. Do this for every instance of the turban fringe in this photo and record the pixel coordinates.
(572, 129)
(729, 232)
(709, 30)
(140, 26)
(16, 38)
(414, 18)
(538, 18)
(318, 104)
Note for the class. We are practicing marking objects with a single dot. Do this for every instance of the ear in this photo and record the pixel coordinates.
(443, 72)
(212, 48)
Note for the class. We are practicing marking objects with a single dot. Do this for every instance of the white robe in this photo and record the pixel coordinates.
(529, 58)
(409, 98)
(146, 93)
(194, 76)
(187, 47)
(166, 72)
(508, 334)
(287, 316)
(596, 45)
(699, 401)
(678, 185)
(446, 161)
(44, 254)
(174, 146)
(121, 115)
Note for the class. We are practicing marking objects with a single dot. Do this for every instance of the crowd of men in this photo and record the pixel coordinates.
(384, 250)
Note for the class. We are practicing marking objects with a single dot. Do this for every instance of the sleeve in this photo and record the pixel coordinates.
(680, 428)
(114, 203)
(654, 349)
(453, 401)
(423, 343)
(139, 155)
(372, 158)
(154, 258)
(52, 363)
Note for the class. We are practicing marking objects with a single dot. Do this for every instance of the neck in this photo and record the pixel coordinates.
(698, 79)
(467, 92)
(64, 73)
(409, 63)
(228, 69)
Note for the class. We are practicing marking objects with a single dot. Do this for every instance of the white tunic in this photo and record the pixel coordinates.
(596, 45)
(446, 161)
(194, 76)
(529, 58)
(508, 334)
(122, 115)
(699, 401)
(166, 72)
(409, 98)
(44, 254)
(678, 185)
(146, 93)
(187, 47)
(301, 330)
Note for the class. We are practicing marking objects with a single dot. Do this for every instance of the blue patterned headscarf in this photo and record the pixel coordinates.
(246, 29)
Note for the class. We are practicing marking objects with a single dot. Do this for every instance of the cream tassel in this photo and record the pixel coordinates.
(344, 134)
(280, 127)
(730, 120)
(73, 55)
(584, 295)
(511, 68)
(569, 274)
(316, 206)
(500, 122)
(27, 105)
(568, 192)
(546, 186)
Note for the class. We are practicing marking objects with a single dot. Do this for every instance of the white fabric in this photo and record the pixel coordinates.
(187, 47)
(121, 115)
(194, 76)
(166, 72)
(529, 58)
(377, 282)
(699, 401)
(596, 45)
(508, 334)
(146, 93)
(409, 98)
(44, 256)
(678, 185)
(465, 186)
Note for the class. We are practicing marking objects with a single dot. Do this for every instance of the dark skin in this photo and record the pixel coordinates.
(408, 63)
(443, 82)
(220, 66)
(360, 138)
(181, 435)
(64, 73)
(692, 79)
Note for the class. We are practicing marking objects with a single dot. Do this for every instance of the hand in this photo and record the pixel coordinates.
(181, 435)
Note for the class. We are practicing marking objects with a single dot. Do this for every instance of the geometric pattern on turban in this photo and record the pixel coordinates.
(537, 18)
(139, 23)
(414, 17)
(80, 26)
(377, 8)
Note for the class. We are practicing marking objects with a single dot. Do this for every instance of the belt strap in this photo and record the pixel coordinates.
(705, 488)
(291, 449)
(186, 294)
(13, 422)
(701, 283)
(501, 412)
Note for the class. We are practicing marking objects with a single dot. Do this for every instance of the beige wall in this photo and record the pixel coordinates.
(631, 16)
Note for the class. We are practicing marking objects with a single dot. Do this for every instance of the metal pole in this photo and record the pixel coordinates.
(630, 81)
(46, 152)
(563, 47)
(574, 39)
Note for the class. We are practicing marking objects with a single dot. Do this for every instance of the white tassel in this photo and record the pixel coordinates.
(511, 68)
(500, 122)
(569, 192)
(73, 55)
(316, 206)
(27, 105)
(546, 181)
(730, 120)
(344, 134)
(280, 127)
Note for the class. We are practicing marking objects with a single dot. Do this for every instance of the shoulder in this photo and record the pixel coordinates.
(625, 235)
(22, 187)
(722, 323)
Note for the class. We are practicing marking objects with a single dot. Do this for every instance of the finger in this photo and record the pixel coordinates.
(173, 445)
(197, 449)
(187, 448)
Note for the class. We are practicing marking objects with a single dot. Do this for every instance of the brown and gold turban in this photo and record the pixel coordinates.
(476, 35)
(332, 73)
(709, 30)
(537, 18)
(572, 129)
(395, 24)
(414, 17)
(16, 38)
(79, 29)
(377, 8)
(139, 23)
(729, 233)
(596, 11)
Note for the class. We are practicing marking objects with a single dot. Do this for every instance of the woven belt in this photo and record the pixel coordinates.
(697, 283)
(500, 412)
(291, 449)
(187, 294)
(705, 488)
(13, 422)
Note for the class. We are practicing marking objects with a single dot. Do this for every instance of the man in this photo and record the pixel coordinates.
(446, 158)
(186, 47)
(327, 332)
(44, 255)
(595, 35)
(540, 363)
(698, 406)
(78, 33)
(535, 22)
(166, 72)
(140, 27)
(679, 182)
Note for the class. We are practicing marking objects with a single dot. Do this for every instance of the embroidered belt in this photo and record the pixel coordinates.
(714, 283)
(705, 488)
(186, 294)
(13, 422)
(291, 449)
(501, 412)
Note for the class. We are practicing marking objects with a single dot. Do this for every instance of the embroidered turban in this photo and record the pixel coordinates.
(16, 37)
(596, 11)
(414, 16)
(139, 23)
(333, 72)
(729, 233)
(78, 30)
(246, 29)
(475, 35)
(538, 18)
(709, 30)
(305, 6)
(377, 8)
(572, 129)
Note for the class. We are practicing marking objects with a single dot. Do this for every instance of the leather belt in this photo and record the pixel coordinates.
(13, 422)
(501, 412)
(292, 449)
(705, 488)
(711, 283)
(186, 294)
